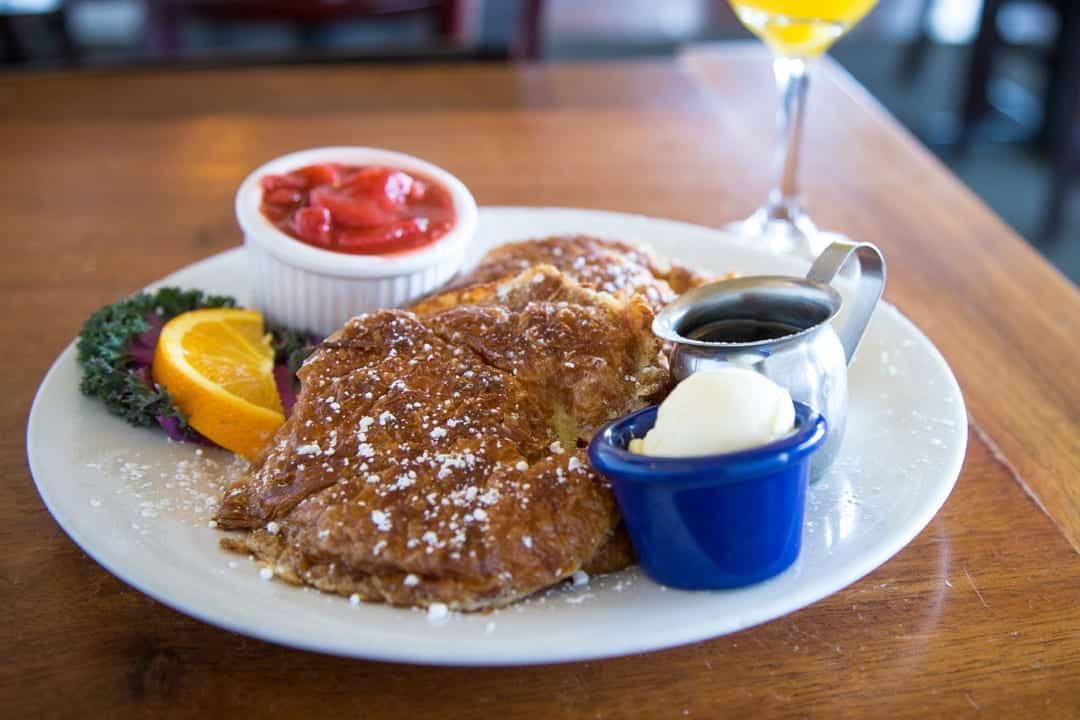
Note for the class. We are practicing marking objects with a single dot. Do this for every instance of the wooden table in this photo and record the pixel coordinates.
(110, 180)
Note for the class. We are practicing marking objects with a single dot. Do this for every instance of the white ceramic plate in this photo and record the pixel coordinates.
(139, 504)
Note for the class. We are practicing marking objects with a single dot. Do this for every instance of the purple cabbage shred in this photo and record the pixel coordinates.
(283, 378)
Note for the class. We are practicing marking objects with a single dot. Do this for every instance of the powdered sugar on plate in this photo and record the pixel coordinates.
(184, 483)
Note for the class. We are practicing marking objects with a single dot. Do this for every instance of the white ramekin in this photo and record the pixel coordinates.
(307, 288)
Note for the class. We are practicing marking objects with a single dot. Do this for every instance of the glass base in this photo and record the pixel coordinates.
(798, 237)
(795, 238)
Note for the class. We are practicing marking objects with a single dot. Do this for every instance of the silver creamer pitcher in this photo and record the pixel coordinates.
(781, 327)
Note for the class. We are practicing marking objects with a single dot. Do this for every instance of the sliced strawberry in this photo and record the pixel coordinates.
(313, 226)
(418, 191)
(319, 175)
(353, 212)
(397, 236)
(283, 196)
(364, 179)
(385, 186)
(270, 183)
(276, 213)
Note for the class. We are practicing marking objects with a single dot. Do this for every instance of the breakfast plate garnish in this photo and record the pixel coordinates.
(436, 456)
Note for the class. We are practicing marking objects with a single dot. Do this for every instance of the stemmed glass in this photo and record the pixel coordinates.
(796, 31)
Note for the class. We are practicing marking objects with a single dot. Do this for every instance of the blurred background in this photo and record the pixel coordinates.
(991, 86)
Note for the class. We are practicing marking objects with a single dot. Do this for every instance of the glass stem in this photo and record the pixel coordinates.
(792, 78)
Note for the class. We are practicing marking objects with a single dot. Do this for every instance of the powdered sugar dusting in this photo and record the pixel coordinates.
(176, 482)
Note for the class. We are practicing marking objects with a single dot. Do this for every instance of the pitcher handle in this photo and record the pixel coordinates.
(867, 293)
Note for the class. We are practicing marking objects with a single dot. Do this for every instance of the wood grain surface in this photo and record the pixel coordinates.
(111, 180)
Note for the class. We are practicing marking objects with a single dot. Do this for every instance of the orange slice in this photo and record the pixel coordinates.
(218, 367)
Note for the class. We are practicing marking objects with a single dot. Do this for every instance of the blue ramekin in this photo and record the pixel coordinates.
(717, 521)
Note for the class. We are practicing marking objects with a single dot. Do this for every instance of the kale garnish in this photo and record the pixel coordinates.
(116, 346)
(116, 349)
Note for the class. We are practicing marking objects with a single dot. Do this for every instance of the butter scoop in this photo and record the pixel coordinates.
(718, 411)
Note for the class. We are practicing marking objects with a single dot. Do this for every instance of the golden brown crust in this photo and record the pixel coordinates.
(611, 266)
(585, 356)
(434, 457)
(529, 539)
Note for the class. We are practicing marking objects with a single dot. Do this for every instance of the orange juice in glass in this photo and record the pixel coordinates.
(796, 31)
(800, 27)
